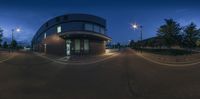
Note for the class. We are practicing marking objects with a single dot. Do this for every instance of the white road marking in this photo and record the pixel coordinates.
(1, 61)
(166, 64)
(65, 63)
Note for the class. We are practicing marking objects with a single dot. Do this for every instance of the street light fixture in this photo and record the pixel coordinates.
(134, 26)
(13, 30)
(137, 26)
(18, 29)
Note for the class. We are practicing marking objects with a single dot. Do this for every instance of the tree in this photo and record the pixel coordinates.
(5, 45)
(198, 43)
(14, 44)
(1, 35)
(191, 35)
(150, 43)
(132, 43)
(118, 45)
(169, 32)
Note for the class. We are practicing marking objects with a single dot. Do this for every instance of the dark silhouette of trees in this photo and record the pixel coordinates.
(198, 43)
(5, 45)
(1, 35)
(14, 44)
(150, 43)
(118, 45)
(191, 36)
(170, 32)
(132, 43)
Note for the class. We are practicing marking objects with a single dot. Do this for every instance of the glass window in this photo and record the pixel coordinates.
(45, 35)
(77, 45)
(88, 27)
(57, 19)
(47, 24)
(45, 48)
(86, 45)
(58, 29)
(65, 17)
(96, 28)
(102, 30)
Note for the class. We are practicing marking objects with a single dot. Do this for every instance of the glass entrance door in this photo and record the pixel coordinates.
(68, 47)
(45, 48)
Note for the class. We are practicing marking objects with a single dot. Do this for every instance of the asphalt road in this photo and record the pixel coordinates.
(125, 76)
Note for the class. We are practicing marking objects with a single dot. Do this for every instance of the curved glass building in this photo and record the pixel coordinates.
(72, 34)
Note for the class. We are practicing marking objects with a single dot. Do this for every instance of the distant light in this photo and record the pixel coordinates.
(18, 29)
(135, 26)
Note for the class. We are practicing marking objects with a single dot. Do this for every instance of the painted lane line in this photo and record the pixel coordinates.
(3, 60)
(176, 65)
(65, 63)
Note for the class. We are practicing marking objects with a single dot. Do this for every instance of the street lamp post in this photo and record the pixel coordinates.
(12, 35)
(141, 33)
(13, 30)
(137, 26)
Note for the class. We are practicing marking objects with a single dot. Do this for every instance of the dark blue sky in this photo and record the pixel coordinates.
(30, 15)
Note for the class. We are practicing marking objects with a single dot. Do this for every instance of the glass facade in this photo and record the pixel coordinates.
(59, 29)
(102, 30)
(77, 45)
(45, 48)
(94, 28)
(88, 27)
(45, 35)
(86, 45)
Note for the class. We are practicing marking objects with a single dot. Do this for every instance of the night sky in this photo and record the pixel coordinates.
(29, 15)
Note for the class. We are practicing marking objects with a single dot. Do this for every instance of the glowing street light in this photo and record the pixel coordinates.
(18, 29)
(134, 26)
(137, 26)
(13, 30)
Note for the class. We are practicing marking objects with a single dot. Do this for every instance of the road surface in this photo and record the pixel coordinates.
(126, 76)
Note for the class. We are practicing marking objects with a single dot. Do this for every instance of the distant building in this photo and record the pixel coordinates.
(72, 34)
